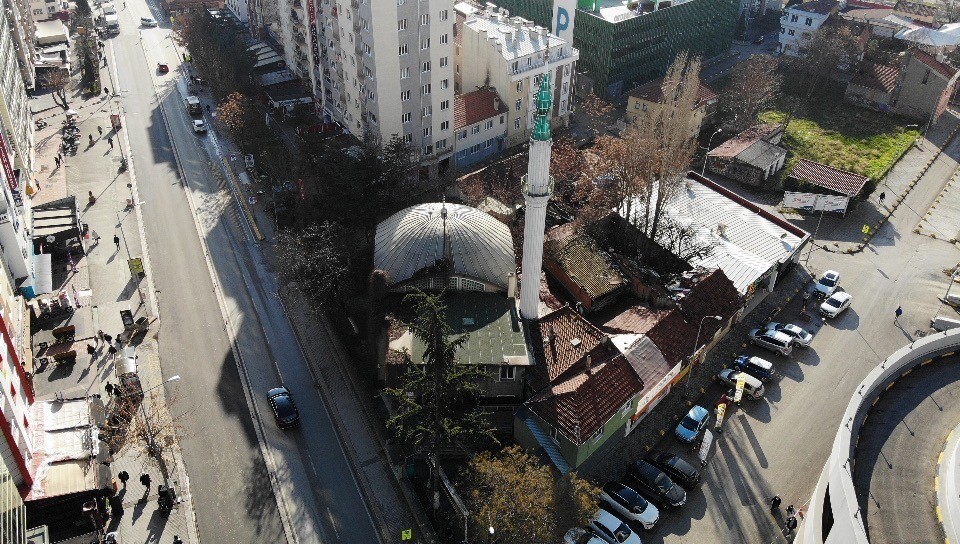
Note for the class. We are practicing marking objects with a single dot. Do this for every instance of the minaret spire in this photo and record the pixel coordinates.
(537, 189)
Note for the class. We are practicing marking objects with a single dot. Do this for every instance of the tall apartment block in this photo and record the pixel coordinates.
(622, 47)
(380, 70)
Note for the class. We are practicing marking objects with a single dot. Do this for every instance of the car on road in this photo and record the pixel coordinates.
(148, 22)
(800, 335)
(629, 504)
(752, 389)
(676, 468)
(828, 283)
(612, 529)
(656, 485)
(284, 408)
(199, 126)
(579, 535)
(693, 424)
(773, 340)
(833, 306)
(162, 67)
(760, 369)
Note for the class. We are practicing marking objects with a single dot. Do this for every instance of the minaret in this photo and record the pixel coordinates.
(537, 188)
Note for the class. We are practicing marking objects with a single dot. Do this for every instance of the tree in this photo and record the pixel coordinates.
(399, 163)
(58, 80)
(754, 87)
(149, 427)
(234, 114)
(825, 52)
(217, 52)
(566, 165)
(437, 400)
(314, 260)
(523, 499)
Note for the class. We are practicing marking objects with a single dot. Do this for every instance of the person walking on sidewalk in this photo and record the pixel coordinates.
(100, 130)
(883, 195)
(897, 313)
(91, 351)
(116, 241)
(96, 242)
(790, 525)
(123, 476)
(145, 480)
(56, 160)
(110, 141)
(112, 350)
(91, 139)
(775, 503)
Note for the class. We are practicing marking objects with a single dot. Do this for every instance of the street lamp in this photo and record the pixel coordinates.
(703, 171)
(696, 343)
(946, 296)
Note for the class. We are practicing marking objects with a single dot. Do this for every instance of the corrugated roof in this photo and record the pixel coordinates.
(644, 356)
(653, 92)
(841, 181)
(882, 77)
(476, 106)
(743, 140)
(526, 40)
(761, 154)
(413, 239)
(582, 260)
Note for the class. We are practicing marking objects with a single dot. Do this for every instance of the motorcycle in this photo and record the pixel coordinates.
(41, 124)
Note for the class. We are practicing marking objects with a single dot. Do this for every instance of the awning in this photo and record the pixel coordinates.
(59, 219)
(43, 272)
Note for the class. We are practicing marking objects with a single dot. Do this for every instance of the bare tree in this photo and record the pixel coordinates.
(58, 80)
(754, 87)
(826, 52)
(150, 428)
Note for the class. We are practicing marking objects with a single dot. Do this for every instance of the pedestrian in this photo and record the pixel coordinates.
(897, 313)
(775, 502)
(91, 350)
(107, 338)
(790, 511)
(109, 390)
(145, 480)
(184, 55)
(110, 141)
(91, 138)
(106, 91)
(100, 130)
(790, 524)
(177, 539)
(883, 195)
(123, 476)
(116, 241)
(208, 108)
(57, 160)
(96, 242)
(112, 350)
(92, 199)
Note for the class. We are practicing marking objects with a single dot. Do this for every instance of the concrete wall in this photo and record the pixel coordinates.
(921, 90)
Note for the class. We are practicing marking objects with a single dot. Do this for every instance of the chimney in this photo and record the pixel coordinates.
(589, 363)
(552, 340)
(511, 281)
(496, 107)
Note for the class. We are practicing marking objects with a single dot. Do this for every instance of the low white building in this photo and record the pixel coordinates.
(511, 55)
(480, 126)
(802, 20)
(46, 9)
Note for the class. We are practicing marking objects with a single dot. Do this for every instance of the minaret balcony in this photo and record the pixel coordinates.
(525, 187)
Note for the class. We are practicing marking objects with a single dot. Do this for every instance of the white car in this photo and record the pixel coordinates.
(800, 336)
(148, 21)
(579, 535)
(839, 302)
(775, 341)
(612, 529)
(629, 504)
(828, 283)
(199, 125)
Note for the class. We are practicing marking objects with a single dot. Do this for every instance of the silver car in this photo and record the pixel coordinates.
(773, 340)
(629, 505)
(800, 336)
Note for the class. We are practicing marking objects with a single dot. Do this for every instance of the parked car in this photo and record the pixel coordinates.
(284, 408)
(752, 389)
(828, 283)
(773, 340)
(839, 302)
(800, 335)
(629, 504)
(676, 468)
(579, 535)
(612, 529)
(693, 424)
(760, 369)
(162, 67)
(148, 22)
(199, 126)
(656, 485)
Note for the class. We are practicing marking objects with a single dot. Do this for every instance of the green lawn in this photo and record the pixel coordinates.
(846, 137)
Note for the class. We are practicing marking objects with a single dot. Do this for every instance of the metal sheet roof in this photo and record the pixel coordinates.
(412, 239)
(527, 40)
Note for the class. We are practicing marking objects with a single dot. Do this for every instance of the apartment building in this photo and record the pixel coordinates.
(800, 21)
(47, 9)
(379, 70)
(510, 55)
(21, 23)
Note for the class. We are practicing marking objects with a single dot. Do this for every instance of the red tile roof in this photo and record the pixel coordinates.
(882, 77)
(841, 181)
(628, 315)
(674, 336)
(821, 7)
(653, 92)
(476, 106)
(739, 143)
(580, 405)
(560, 340)
(941, 68)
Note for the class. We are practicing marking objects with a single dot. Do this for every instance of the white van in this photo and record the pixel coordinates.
(112, 22)
(108, 9)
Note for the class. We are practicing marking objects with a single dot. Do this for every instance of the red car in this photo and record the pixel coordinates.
(162, 68)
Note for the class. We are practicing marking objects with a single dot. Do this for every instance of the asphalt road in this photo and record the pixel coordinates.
(232, 482)
(898, 450)
(778, 445)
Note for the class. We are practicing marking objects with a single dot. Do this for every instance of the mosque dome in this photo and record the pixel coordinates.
(412, 240)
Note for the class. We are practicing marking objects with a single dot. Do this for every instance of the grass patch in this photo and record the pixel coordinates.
(845, 137)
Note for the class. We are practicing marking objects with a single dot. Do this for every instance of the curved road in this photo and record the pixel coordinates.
(250, 481)
(897, 454)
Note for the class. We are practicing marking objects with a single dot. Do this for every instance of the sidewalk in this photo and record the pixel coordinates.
(105, 286)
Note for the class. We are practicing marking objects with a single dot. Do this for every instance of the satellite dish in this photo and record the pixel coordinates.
(51, 238)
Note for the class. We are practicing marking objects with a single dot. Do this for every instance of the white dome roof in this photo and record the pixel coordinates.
(412, 239)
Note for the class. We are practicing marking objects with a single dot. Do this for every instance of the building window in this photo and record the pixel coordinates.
(520, 86)
(516, 66)
(488, 125)
(444, 39)
(501, 119)
(598, 435)
(404, 73)
(403, 49)
(519, 104)
(783, 30)
(427, 131)
(445, 125)
(626, 407)
(444, 15)
(475, 129)
(462, 154)
(404, 96)
(554, 435)
(793, 18)
(790, 32)
(488, 144)
(462, 135)
(809, 22)
(428, 150)
(427, 111)
(405, 118)
(926, 76)
(408, 138)
(426, 89)
(444, 105)
(425, 43)
(565, 87)
(470, 285)
(441, 144)
(516, 123)
(402, 24)
(508, 373)
(445, 84)
(401, 2)
(444, 61)
(425, 19)
(563, 106)
(425, 67)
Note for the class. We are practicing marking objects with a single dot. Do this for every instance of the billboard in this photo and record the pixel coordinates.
(563, 14)
(815, 203)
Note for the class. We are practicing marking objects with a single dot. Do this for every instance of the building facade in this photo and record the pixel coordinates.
(800, 21)
(480, 125)
(511, 55)
(47, 9)
(621, 48)
(13, 514)
(644, 104)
